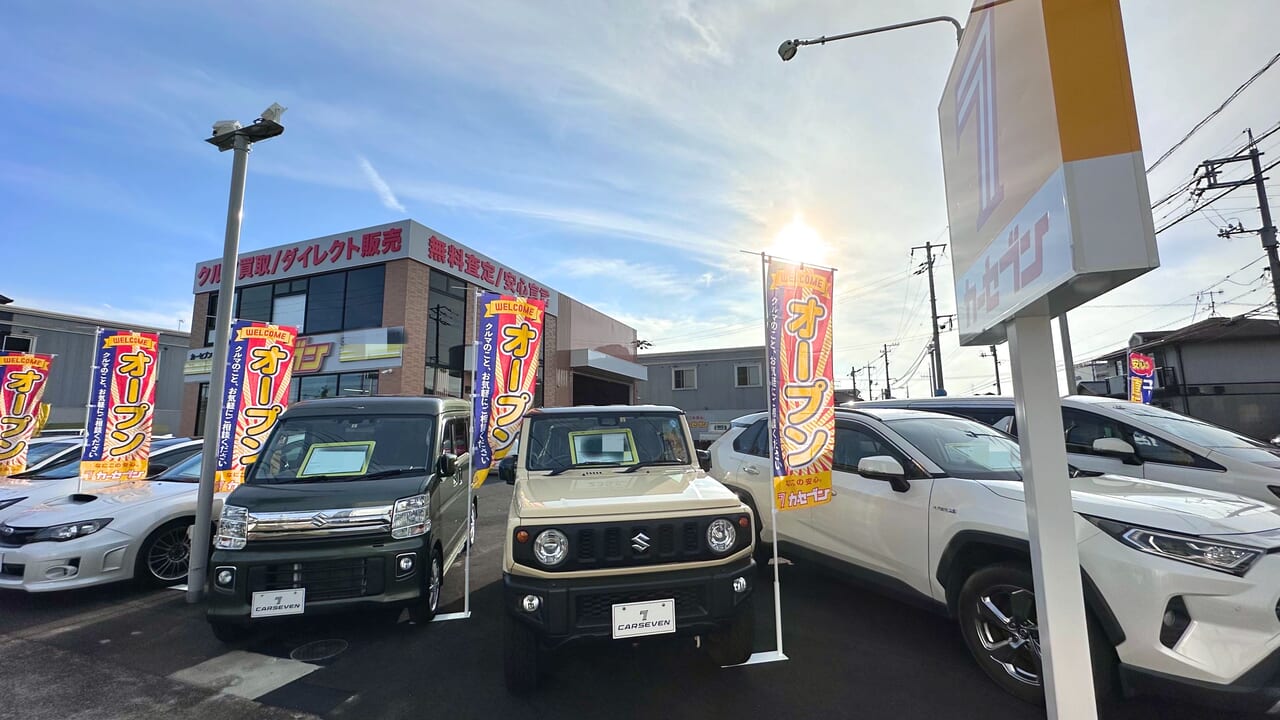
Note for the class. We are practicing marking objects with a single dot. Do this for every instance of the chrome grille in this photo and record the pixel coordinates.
(320, 523)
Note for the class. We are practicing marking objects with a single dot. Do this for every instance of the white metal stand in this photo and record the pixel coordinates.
(1055, 560)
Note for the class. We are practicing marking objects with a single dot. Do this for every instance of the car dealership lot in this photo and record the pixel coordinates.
(851, 650)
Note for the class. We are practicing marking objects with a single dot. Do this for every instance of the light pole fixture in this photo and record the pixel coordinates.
(788, 48)
(227, 135)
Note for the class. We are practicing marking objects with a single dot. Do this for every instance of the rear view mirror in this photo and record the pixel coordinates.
(507, 470)
(447, 465)
(704, 460)
(884, 467)
(1117, 448)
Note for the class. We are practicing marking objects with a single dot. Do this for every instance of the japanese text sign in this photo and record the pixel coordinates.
(122, 400)
(255, 393)
(1142, 377)
(22, 380)
(506, 373)
(801, 382)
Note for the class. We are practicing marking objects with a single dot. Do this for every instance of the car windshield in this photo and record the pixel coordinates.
(344, 447)
(963, 448)
(186, 471)
(559, 441)
(40, 452)
(1180, 426)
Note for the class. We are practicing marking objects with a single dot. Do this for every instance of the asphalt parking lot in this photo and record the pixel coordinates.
(119, 652)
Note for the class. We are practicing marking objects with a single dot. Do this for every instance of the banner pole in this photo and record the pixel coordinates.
(471, 453)
(773, 501)
(88, 401)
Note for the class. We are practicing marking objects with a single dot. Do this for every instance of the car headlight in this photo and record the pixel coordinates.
(1224, 557)
(11, 501)
(721, 535)
(411, 517)
(70, 531)
(551, 547)
(233, 528)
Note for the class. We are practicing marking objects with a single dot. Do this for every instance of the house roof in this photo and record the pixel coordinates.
(1214, 329)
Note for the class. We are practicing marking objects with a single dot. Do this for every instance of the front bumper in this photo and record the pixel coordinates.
(1258, 691)
(581, 608)
(103, 557)
(337, 578)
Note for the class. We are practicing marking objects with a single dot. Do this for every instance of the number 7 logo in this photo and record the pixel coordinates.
(976, 97)
(644, 616)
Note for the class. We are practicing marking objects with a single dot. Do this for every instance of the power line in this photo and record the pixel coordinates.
(1207, 203)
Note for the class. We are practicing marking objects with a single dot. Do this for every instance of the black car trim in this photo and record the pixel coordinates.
(613, 544)
(1258, 690)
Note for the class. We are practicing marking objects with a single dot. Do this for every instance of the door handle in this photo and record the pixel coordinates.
(750, 469)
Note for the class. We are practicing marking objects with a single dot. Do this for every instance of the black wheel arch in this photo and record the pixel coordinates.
(970, 550)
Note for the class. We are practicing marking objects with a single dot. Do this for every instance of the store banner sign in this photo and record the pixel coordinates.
(510, 335)
(801, 382)
(256, 392)
(1142, 377)
(122, 401)
(22, 380)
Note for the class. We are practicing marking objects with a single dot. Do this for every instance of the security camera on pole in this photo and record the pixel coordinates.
(227, 135)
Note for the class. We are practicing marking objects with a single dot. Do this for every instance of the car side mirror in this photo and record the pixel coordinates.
(507, 470)
(1116, 448)
(704, 460)
(447, 465)
(884, 467)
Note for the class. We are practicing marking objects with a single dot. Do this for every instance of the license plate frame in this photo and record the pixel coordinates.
(275, 603)
(642, 619)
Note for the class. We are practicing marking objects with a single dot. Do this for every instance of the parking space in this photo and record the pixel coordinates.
(850, 649)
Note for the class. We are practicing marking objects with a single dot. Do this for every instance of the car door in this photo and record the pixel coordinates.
(451, 491)
(868, 523)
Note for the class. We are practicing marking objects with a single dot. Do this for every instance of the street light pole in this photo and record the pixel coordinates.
(227, 136)
(788, 48)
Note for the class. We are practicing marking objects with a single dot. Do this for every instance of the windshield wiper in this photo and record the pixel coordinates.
(575, 466)
(651, 463)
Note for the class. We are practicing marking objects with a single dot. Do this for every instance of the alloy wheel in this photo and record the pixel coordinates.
(169, 556)
(471, 531)
(1007, 629)
(433, 590)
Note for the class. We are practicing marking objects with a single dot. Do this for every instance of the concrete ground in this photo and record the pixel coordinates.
(119, 652)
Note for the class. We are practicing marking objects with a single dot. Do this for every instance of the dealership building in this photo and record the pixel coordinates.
(389, 310)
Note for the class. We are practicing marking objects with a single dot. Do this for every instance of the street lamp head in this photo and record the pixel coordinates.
(222, 127)
(787, 49)
(274, 112)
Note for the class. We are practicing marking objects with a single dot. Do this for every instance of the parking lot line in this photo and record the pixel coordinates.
(92, 617)
(244, 674)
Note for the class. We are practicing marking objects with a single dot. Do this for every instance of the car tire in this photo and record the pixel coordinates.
(165, 556)
(1007, 651)
(228, 633)
(424, 611)
(733, 644)
(521, 656)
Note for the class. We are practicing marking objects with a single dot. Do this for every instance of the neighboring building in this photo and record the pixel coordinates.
(71, 338)
(389, 310)
(1223, 370)
(711, 386)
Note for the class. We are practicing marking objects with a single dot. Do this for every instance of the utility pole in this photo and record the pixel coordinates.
(1267, 231)
(885, 354)
(939, 386)
(853, 375)
(870, 380)
(995, 356)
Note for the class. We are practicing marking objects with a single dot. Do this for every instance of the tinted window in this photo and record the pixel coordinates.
(255, 303)
(446, 334)
(40, 452)
(1190, 429)
(854, 443)
(314, 387)
(1152, 449)
(749, 441)
(187, 470)
(1081, 428)
(325, 295)
(455, 439)
(962, 448)
(364, 298)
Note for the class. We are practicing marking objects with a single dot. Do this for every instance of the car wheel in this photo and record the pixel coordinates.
(521, 656)
(165, 556)
(997, 613)
(733, 645)
(424, 611)
(228, 633)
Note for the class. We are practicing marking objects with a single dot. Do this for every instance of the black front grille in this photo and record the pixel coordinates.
(13, 570)
(630, 544)
(323, 580)
(597, 608)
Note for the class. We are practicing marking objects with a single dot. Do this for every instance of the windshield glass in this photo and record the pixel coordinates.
(344, 447)
(558, 442)
(1180, 426)
(43, 451)
(186, 471)
(963, 448)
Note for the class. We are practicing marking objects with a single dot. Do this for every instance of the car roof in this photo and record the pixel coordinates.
(879, 413)
(947, 401)
(378, 405)
(630, 409)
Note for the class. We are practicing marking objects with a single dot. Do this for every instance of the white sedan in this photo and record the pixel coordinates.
(134, 530)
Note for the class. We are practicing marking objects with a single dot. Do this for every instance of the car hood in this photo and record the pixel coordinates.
(609, 492)
(1160, 505)
(32, 492)
(106, 502)
(300, 497)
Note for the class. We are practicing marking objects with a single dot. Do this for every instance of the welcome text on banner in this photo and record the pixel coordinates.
(122, 401)
(22, 381)
(259, 368)
(510, 336)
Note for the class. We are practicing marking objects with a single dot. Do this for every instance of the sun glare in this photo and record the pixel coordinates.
(800, 242)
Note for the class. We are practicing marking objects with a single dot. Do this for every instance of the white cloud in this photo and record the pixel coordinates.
(380, 186)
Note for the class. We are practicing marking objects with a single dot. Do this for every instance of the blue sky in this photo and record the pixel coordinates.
(620, 152)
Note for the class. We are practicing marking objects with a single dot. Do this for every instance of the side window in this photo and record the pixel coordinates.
(853, 444)
(1081, 428)
(748, 439)
(455, 438)
(1152, 449)
(1004, 424)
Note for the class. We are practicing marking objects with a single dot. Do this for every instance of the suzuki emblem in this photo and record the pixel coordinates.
(319, 520)
(640, 543)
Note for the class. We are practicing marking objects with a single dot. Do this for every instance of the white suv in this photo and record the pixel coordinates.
(1180, 584)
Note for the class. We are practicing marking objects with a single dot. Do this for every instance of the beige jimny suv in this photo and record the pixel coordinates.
(616, 533)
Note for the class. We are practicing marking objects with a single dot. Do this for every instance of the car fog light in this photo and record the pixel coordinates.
(405, 563)
(739, 584)
(59, 572)
(531, 603)
(225, 577)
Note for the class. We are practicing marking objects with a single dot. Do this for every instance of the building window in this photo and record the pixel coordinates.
(202, 405)
(289, 310)
(745, 376)
(210, 319)
(18, 343)
(326, 295)
(446, 334)
(348, 300)
(363, 307)
(347, 385)
(255, 303)
(685, 378)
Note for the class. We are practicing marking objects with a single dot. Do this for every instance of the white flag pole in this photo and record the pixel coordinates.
(471, 474)
(88, 401)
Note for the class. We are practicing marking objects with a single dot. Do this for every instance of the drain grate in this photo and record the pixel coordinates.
(319, 651)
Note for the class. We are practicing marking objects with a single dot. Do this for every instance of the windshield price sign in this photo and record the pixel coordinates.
(506, 374)
(801, 386)
(256, 392)
(22, 379)
(122, 402)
